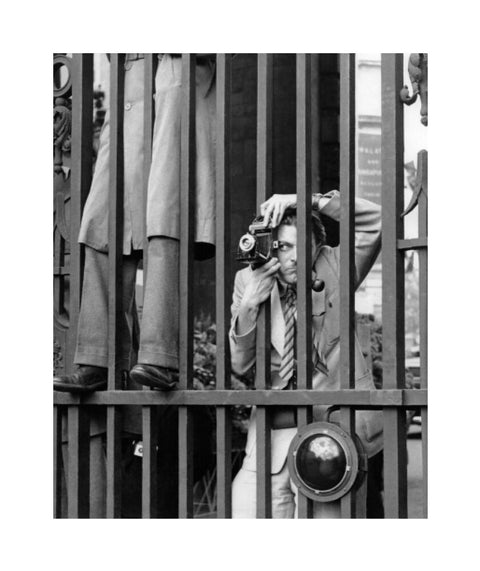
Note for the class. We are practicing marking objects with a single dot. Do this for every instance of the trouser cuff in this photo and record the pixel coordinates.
(83, 357)
(159, 359)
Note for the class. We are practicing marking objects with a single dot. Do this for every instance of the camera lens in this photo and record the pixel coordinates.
(247, 242)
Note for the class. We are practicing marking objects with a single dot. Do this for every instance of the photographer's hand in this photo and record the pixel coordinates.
(274, 208)
(257, 291)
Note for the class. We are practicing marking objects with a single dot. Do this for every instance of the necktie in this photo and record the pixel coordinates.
(290, 314)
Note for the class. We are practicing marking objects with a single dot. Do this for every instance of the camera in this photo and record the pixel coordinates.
(257, 245)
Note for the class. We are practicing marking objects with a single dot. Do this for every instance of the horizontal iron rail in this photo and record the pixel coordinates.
(62, 270)
(412, 243)
(407, 398)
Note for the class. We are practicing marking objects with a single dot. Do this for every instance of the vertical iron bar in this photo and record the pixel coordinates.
(423, 295)
(81, 158)
(149, 461)
(223, 271)
(61, 333)
(59, 290)
(424, 417)
(315, 122)
(393, 286)
(187, 210)
(347, 254)
(423, 286)
(78, 483)
(150, 66)
(149, 416)
(264, 190)
(304, 248)
(78, 480)
(347, 221)
(115, 251)
(57, 461)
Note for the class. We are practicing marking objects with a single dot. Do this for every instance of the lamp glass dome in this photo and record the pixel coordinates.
(321, 462)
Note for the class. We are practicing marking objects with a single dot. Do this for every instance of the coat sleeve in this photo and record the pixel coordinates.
(242, 347)
(367, 230)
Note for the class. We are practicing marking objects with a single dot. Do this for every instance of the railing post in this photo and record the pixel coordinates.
(82, 133)
(78, 423)
(423, 301)
(264, 190)
(78, 470)
(353, 504)
(115, 252)
(149, 413)
(223, 271)
(57, 461)
(187, 213)
(304, 244)
(393, 286)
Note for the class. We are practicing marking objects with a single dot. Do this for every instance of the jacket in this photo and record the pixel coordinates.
(326, 322)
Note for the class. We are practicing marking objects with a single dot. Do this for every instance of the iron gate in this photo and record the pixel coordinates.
(394, 398)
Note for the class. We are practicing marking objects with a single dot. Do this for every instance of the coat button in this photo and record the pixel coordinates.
(128, 106)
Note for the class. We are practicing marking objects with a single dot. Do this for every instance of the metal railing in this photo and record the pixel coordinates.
(394, 399)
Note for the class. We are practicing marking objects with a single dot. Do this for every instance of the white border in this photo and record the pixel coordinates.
(449, 35)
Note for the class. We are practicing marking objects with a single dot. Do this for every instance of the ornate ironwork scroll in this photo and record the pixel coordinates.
(62, 128)
(418, 72)
(421, 181)
(62, 142)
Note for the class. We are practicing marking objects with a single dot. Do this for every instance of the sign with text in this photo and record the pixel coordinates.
(370, 166)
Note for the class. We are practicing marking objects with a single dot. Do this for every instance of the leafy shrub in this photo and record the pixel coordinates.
(376, 348)
(205, 366)
(57, 357)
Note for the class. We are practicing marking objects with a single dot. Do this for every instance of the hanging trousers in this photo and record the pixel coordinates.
(159, 327)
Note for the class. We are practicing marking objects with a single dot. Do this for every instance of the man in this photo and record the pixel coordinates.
(276, 281)
(157, 365)
(157, 348)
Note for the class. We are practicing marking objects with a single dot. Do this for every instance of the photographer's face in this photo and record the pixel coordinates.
(287, 253)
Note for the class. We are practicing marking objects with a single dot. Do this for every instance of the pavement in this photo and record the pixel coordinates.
(414, 473)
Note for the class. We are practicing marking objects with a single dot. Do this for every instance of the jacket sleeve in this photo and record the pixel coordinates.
(242, 347)
(367, 230)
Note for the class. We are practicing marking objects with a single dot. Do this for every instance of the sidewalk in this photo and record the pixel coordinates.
(414, 473)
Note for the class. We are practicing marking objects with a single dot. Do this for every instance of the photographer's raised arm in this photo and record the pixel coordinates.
(367, 229)
(274, 208)
(367, 223)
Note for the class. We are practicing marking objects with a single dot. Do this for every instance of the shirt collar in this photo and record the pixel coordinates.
(283, 288)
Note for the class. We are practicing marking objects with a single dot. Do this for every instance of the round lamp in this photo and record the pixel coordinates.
(325, 461)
